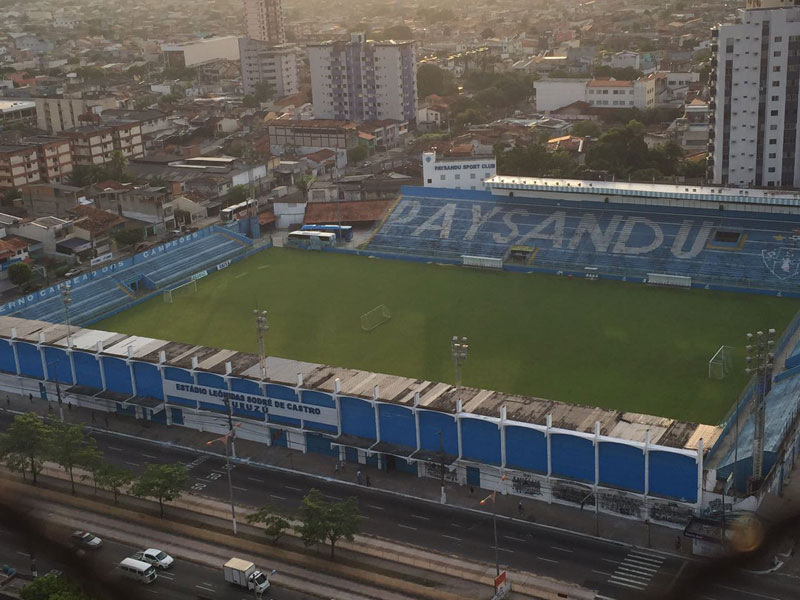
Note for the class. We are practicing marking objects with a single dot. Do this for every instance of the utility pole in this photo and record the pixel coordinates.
(759, 360)
(66, 297)
(443, 495)
(58, 390)
(225, 440)
(261, 329)
(458, 350)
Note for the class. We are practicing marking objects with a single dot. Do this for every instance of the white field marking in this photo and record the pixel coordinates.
(241, 489)
(560, 549)
(277, 497)
(406, 527)
(547, 559)
(264, 267)
(451, 537)
(240, 275)
(509, 537)
(288, 487)
(421, 517)
(376, 507)
(256, 479)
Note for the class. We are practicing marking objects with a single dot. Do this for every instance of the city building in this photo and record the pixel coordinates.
(189, 54)
(304, 137)
(264, 21)
(54, 155)
(364, 81)
(17, 111)
(19, 166)
(95, 144)
(753, 133)
(457, 173)
(152, 206)
(57, 113)
(50, 199)
(273, 64)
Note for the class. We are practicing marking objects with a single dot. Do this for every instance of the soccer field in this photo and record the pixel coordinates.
(622, 346)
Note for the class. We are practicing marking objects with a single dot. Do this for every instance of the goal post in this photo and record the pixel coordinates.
(188, 287)
(721, 364)
(375, 317)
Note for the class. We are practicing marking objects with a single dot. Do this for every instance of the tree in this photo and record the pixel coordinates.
(357, 154)
(129, 237)
(325, 521)
(10, 195)
(52, 587)
(112, 478)
(25, 443)
(236, 195)
(274, 525)
(587, 129)
(250, 101)
(115, 169)
(83, 175)
(162, 482)
(264, 91)
(432, 79)
(487, 33)
(70, 447)
(304, 183)
(398, 32)
(19, 273)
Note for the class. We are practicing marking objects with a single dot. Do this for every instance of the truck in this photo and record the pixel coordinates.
(244, 574)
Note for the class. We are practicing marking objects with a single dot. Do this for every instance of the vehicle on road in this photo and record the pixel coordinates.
(138, 570)
(154, 556)
(366, 164)
(84, 539)
(244, 574)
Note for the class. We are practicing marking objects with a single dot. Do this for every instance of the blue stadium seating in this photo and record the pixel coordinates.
(92, 300)
(624, 240)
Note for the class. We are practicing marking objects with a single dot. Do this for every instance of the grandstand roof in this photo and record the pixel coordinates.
(645, 190)
(395, 389)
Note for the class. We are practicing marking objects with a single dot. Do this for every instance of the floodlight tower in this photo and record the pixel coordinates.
(458, 350)
(760, 359)
(261, 329)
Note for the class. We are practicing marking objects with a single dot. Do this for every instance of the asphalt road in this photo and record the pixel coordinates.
(618, 572)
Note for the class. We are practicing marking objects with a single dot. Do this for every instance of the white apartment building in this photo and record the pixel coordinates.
(364, 81)
(264, 21)
(457, 173)
(754, 120)
(188, 54)
(55, 114)
(277, 65)
(552, 94)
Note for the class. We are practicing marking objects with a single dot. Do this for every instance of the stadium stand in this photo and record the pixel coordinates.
(105, 295)
(725, 248)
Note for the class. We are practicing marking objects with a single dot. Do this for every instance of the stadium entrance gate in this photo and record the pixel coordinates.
(321, 445)
(278, 437)
(474, 476)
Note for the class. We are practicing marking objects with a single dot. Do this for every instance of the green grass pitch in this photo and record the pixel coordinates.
(622, 346)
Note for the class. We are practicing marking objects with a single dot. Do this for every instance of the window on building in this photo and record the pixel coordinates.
(778, 38)
(472, 175)
(774, 98)
(771, 170)
(776, 69)
(441, 177)
(773, 127)
(776, 84)
(773, 113)
(776, 53)
(457, 176)
(773, 141)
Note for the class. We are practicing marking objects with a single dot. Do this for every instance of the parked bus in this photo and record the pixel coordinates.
(314, 240)
(249, 207)
(343, 232)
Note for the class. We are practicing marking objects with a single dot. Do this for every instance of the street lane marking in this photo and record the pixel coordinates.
(23, 553)
(131, 463)
(725, 587)
(421, 517)
(288, 487)
(376, 507)
(635, 574)
(406, 527)
(507, 550)
(561, 549)
(331, 497)
(256, 479)
(115, 448)
(166, 575)
(205, 589)
(546, 559)
(640, 565)
(509, 537)
(277, 497)
(456, 525)
(616, 562)
(211, 585)
(601, 573)
(621, 584)
(451, 537)
(149, 456)
(241, 489)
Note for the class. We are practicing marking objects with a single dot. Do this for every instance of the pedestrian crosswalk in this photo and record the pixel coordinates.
(637, 570)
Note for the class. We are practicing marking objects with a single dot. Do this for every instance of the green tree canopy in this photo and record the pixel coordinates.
(397, 32)
(325, 521)
(115, 168)
(587, 129)
(432, 79)
(250, 101)
(112, 478)
(357, 154)
(488, 32)
(70, 447)
(52, 587)
(236, 195)
(274, 524)
(19, 273)
(129, 237)
(25, 444)
(264, 91)
(165, 483)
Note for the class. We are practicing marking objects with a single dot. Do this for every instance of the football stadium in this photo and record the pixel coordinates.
(605, 361)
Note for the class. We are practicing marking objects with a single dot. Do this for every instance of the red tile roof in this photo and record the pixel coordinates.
(362, 211)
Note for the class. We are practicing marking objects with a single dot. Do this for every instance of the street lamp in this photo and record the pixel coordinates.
(493, 499)
(596, 514)
(66, 297)
(261, 329)
(225, 439)
(443, 495)
(458, 350)
(759, 359)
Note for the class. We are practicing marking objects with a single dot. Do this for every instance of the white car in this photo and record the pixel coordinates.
(86, 540)
(157, 558)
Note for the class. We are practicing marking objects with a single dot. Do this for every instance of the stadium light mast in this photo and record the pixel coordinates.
(760, 361)
(458, 350)
(261, 329)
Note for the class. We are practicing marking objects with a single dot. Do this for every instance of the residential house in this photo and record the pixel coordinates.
(97, 226)
(51, 199)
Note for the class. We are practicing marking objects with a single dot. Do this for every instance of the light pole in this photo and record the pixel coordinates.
(458, 350)
(759, 359)
(261, 329)
(443, 495)
(493, 499)
(228, 437)
(596, 514)
(66, 297)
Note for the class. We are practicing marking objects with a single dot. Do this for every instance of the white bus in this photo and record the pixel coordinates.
(249, 207)
(310, 239)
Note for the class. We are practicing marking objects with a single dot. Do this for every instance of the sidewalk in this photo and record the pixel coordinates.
(585, 522)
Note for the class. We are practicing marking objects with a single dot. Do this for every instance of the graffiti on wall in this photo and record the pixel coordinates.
(629, 506)
(435, 470)
(670, 513)
(526, 485)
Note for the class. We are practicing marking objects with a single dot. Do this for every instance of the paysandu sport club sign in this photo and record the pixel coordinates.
(239, 400)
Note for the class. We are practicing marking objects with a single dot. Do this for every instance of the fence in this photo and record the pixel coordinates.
(485, 262)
